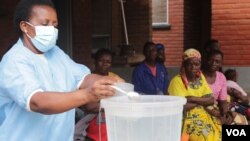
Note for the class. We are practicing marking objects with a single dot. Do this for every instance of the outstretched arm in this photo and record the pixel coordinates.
(93, 88)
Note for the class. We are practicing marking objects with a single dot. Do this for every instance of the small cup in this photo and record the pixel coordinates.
(128, 87)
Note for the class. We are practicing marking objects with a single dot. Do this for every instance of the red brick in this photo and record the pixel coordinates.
(231, 26)
(172, 39)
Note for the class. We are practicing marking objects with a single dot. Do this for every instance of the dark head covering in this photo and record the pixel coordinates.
(159, 46)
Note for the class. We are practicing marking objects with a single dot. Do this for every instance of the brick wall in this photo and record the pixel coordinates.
(173, 38)
(81, 31)
(231, 26)
(138, 22)
(138, 27)
(117, 27)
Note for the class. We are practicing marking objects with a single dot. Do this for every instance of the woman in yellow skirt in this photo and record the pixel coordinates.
(198, 124)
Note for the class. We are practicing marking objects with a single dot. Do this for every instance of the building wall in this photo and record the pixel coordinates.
(81, 31)
(116, 27)
(231, 26)
(137, 20)
(8, 36)
(173, 39)
(138, 26)
(138, 17)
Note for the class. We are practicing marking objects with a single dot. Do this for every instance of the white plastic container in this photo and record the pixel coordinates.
(151, 118)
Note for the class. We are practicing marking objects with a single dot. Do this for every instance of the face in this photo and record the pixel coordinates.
(192, 66)
(161, 54)
(151, 53)
(40, 15)
(215, 62)
(103, 64)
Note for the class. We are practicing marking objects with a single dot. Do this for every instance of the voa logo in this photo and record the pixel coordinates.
(236, 132)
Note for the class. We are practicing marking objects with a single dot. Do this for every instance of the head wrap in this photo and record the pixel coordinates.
(159, 46)
(191, 53)
(188, 54)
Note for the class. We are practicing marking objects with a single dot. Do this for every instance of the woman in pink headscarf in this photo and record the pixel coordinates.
(198, 125)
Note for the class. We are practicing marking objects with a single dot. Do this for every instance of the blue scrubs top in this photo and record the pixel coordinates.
(22, 73)
(145, 83)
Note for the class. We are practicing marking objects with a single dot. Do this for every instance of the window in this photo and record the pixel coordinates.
(100, 41)
(160, 14)
(101, 24)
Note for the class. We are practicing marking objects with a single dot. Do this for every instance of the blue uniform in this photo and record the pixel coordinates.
(145, 83)
(22, 73)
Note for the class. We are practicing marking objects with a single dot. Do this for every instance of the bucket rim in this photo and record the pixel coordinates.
(171, 102)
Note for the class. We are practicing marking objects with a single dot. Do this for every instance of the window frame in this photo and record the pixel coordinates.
(162, 25)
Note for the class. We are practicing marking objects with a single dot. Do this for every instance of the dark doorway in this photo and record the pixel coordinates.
(63, 8)
(197, 23)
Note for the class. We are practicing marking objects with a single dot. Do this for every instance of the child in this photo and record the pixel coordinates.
(234, 90)
(239, 99)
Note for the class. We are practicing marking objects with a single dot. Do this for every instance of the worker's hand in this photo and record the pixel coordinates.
(98, 87)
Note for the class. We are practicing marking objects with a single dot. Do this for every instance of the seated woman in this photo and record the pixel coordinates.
(217, 82)
(198, 125)
(89, 125)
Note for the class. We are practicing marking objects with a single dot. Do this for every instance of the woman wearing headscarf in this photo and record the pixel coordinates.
(198, 125)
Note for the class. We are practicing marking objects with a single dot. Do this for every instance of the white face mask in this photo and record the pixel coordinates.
(45, 38)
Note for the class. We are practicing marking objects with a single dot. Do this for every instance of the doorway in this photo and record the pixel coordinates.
(63, 8)
(197, 23)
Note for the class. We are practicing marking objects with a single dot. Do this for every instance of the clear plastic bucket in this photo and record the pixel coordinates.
(150, 118)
